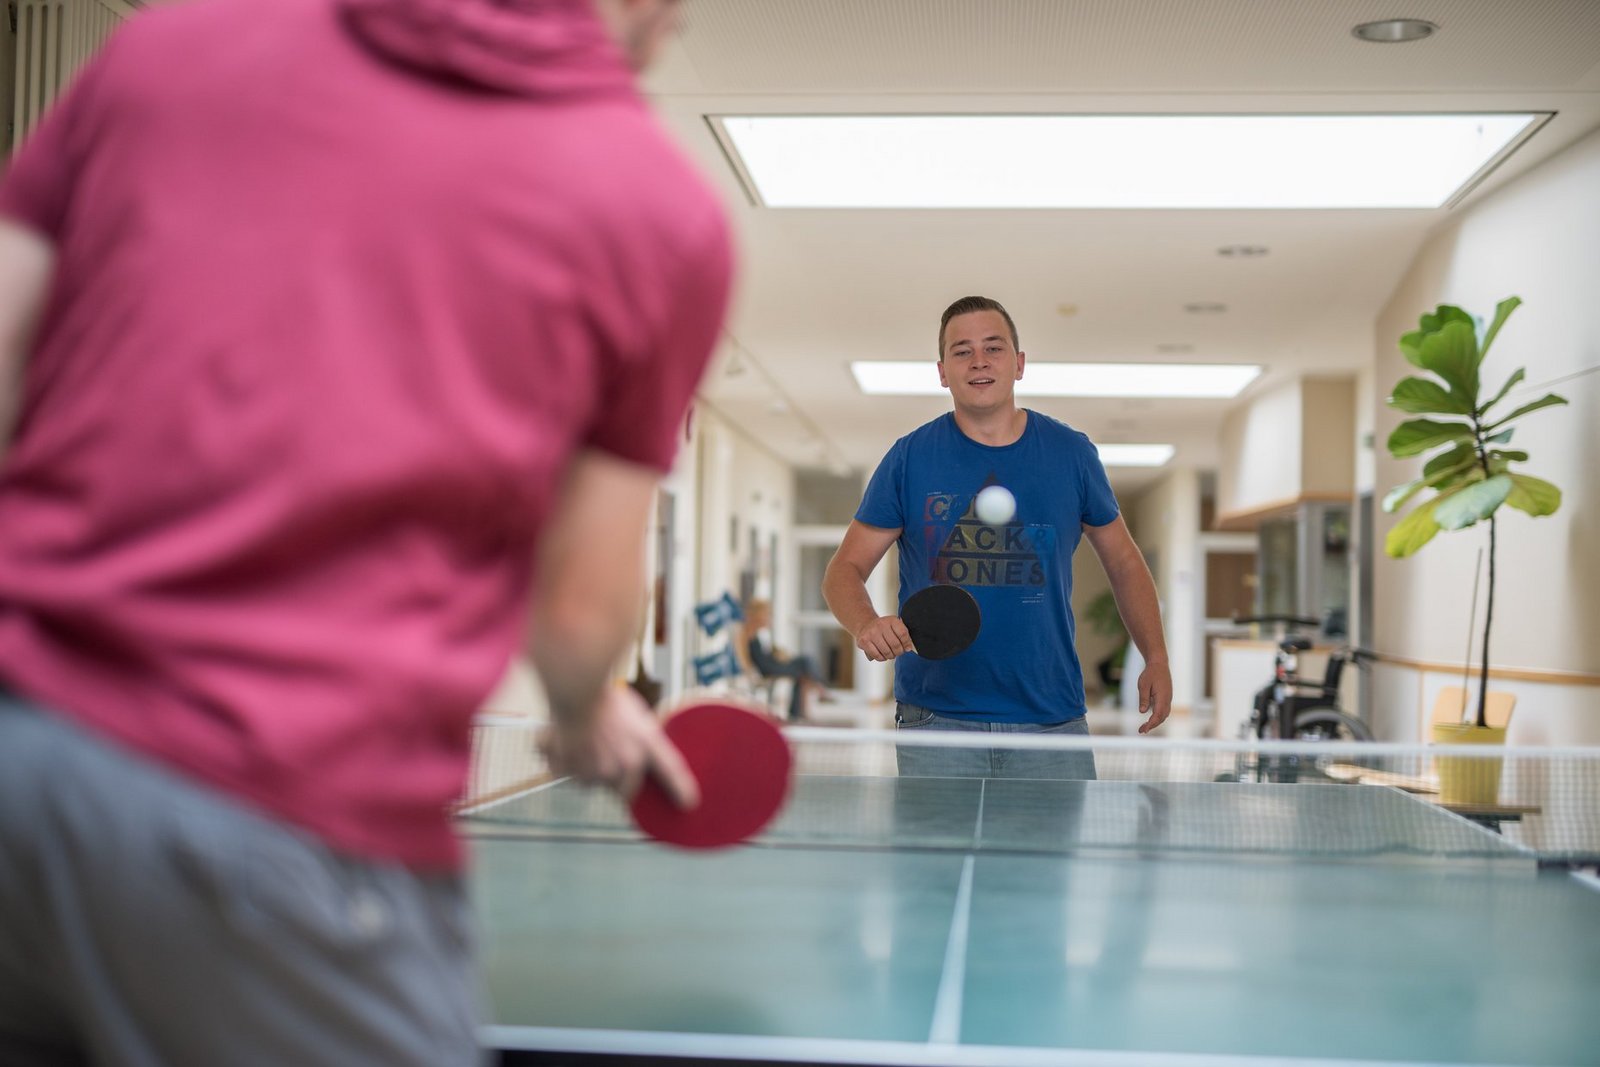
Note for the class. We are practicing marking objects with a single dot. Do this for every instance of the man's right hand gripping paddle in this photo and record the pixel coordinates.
(942, 621)
(621, 746)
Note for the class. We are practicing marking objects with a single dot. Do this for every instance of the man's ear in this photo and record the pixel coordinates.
(942, 379)
(1022, 357)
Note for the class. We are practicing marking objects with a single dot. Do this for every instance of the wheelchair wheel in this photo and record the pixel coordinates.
(1329, 724)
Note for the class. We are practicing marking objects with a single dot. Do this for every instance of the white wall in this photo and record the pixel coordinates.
(1167, 520)
(1261, 452)
(1366, 444)
(742, 481)
(670, 664)
(1537, 238)
(1290, 443)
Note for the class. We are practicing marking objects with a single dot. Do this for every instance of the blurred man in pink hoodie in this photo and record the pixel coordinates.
(333, 335)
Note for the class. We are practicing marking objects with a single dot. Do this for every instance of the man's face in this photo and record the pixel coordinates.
(980, 365)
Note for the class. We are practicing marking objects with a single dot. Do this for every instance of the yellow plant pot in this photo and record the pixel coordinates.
(1468, 779)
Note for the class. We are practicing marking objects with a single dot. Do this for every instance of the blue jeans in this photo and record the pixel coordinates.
(917, 761)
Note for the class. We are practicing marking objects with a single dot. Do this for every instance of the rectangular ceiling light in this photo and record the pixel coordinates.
(1189, 381)
(1135, 455)
(1119, 161)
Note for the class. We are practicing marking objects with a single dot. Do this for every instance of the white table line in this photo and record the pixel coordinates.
(946, 1028)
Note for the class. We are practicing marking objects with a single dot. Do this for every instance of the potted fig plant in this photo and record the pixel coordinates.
(1471, 475)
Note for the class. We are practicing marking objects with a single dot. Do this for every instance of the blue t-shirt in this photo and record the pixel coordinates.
(1024, 665)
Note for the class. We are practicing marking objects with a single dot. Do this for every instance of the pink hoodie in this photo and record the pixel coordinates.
(341, 288)
(526, 47)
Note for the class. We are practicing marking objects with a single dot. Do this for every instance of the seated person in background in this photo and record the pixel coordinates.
(770, 662)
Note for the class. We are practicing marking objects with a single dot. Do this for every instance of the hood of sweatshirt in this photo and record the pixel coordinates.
(535, 48)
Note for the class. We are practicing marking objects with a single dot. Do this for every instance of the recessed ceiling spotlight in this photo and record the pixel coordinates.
(1395, 31)
(1066, 310)
(1205, 308)
(1242, 251)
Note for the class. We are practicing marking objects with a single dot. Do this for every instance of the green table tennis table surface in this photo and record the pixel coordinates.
(971, 921)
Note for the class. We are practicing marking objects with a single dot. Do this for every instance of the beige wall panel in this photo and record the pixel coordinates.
(1327, 440)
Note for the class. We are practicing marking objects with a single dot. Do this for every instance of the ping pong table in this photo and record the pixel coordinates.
(982, 921)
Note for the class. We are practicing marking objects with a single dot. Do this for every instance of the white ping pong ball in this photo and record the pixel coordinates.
(996, 505)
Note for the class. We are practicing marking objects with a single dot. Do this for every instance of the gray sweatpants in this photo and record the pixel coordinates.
(145, 920)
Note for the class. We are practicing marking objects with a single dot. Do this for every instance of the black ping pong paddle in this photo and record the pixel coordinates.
(942, 620)
(741, 760)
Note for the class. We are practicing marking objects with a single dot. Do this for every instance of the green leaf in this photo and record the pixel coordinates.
(1522, 372)
(1415, 436)
(1472, 503)
(1442, 316)
(1419, 396)
(1462, 453)
(1411, 343)
(1545, 401)
(1457, 479)
(1502, 312)
(1533, 495)
(1452, 354)
(1450, 468)
(1412, 532)
(1411, 347)
(1500, 438)
(1397, 496)
(1512, 455)
(1467, 470)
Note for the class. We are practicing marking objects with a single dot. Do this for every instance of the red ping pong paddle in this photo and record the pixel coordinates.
(740, 759)
(942, 620)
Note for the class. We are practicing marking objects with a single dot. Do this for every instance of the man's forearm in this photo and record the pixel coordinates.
(27, 262)
(1140, 608)
(576, 658)
(845, 591)
(591, 585)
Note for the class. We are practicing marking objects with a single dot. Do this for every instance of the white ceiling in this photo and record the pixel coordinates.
(820, 288)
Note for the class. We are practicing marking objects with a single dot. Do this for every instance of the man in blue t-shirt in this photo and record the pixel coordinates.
(1022, 674)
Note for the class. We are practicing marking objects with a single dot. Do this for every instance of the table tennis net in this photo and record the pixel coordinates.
(1328, 800)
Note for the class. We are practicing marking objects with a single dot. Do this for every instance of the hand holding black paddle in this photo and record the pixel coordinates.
(942, 621)
(936, 623)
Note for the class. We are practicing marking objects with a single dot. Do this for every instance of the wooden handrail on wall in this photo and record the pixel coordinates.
(1252, 517)
(1509, 674)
